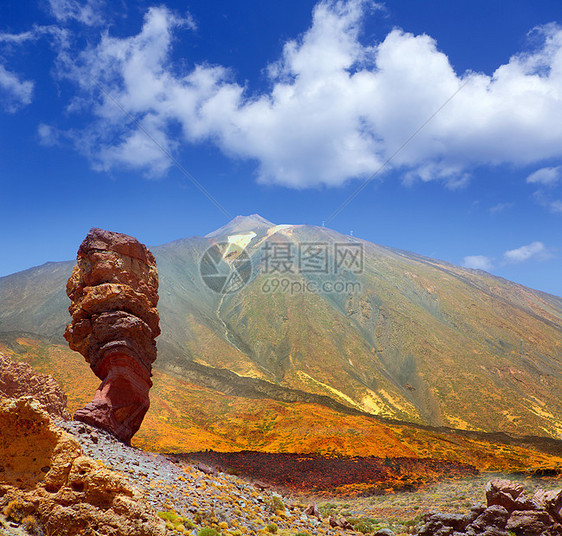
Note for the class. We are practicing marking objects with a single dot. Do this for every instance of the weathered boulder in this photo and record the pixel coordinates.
(341, 523)
(447, 523)
(510, 495)
(312, 510)
(530, 523)
(114, 293)
(44, 475)
(510, 512)
(491, 521)
(551, 501)
(19, 379)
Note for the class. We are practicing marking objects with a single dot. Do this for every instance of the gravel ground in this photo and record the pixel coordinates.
(195, 491)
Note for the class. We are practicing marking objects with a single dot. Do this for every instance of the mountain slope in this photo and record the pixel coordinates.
(403, 336)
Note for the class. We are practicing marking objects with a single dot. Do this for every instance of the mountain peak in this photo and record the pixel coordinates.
(240, 224)
(253, 218)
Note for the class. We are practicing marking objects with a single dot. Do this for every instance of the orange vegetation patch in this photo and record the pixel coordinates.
(187, 418)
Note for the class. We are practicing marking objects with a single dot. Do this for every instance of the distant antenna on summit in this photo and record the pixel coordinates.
(323, 223)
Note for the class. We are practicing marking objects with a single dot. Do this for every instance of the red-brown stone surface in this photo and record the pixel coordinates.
(19, 379)
(113, 291)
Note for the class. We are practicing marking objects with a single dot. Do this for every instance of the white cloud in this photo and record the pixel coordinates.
(546, 176)
(547, 179)
(535, 250)
(478, 262)
(88, 12)
(14, 92)
(500, 207)
(337, 108)
(48, 136)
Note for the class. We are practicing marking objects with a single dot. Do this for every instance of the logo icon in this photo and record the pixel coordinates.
(225, 268)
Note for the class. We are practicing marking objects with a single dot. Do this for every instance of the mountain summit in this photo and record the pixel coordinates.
(324, 318)
(241, 224)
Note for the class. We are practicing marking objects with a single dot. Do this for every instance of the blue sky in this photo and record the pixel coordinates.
(286, 108)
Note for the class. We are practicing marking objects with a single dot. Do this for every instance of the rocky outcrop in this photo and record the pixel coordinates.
(47, 482)
(510, 511)
(114, 293)
(19, 379)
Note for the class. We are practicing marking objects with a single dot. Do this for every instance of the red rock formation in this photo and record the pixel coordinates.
(19, 379)
(114, 292)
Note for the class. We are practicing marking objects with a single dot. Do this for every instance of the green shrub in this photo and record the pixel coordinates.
(364, 527)
(173, 521)
(272, 527)
(327, 508)
(276, 504)
(168, 516)
(413, 522)
(208, 532)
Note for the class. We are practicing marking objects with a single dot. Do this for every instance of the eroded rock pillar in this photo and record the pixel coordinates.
(113, 291)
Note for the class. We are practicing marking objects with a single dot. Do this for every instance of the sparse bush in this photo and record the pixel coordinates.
(208, 532)
(271, 528)
(175, 522)
(167, 516)
(276, 504)
(363, 526)
(327, 508)
(413, 522)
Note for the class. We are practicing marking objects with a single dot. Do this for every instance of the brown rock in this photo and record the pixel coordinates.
(312, 510)
(505, 519)
(19, 379)
(114, 292)
(551, 501)
(45, 475)
(494, 517)
(344, 524)
(529, 523)
(508, 494)
(207, 469)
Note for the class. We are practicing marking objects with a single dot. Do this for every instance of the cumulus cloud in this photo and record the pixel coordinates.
(337, 108)
(546, 176)
(478, 262)
(88, 12)
(535, 250)
(14, 92)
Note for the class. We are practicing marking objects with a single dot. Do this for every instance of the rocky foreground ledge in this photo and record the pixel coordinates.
(65, 478)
